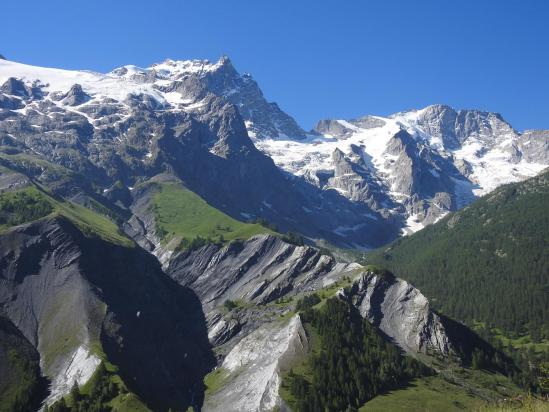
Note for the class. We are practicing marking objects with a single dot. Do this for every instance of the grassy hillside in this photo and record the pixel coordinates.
(486, 263)
(425, 394)
(33, 202)
(182, 213)
(524, 404)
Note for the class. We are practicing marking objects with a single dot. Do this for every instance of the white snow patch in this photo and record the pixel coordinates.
(413, 224)
(60, 80)
(343, 230)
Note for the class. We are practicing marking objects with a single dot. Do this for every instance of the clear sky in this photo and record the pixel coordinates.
(317, 59)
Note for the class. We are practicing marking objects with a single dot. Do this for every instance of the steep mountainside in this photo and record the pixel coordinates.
(79, 300)
(258, 271)
(487, 262)
(405, 315)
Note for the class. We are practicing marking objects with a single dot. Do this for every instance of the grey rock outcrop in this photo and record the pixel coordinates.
(534, 146)
(260, 269)
(400, 311)
(454, 127)
(338, 129)
(252, 370)
(368, 122)
(331, 127)
(354, 178)
(15, 87)
(76, 96)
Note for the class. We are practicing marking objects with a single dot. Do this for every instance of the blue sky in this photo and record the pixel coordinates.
(317, 59)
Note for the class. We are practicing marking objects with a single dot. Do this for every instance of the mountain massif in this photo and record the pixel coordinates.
(170, 240)
(354, 183)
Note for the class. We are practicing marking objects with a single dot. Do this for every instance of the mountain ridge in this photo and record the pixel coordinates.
(405, 170)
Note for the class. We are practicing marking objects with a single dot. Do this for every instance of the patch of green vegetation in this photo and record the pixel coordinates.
(342, 283)
(492, 384)
(453, 388)
(231, 304)
(520, 341)
(215, 380)
(425, 394)
(33, 202)
(301, 367)
(293, 238)
(182, 213)
(128, 402)
(28, 163)
(101, 209)
(527, 403)
(352, 363)
(92, 223)
(284, 301)
(66, 338)
(529, 356)
(307, 302)
(21, 386)
(22, 206)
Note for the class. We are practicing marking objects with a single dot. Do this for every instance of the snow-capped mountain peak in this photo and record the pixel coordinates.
(418, 163)
(414, 166)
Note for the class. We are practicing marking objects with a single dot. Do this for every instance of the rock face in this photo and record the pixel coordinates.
(260, 270)
(255, 272)
(534, 146)
(401, 312)
(197, 78)
(75, 96)
(69, 295)
(252, 370)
